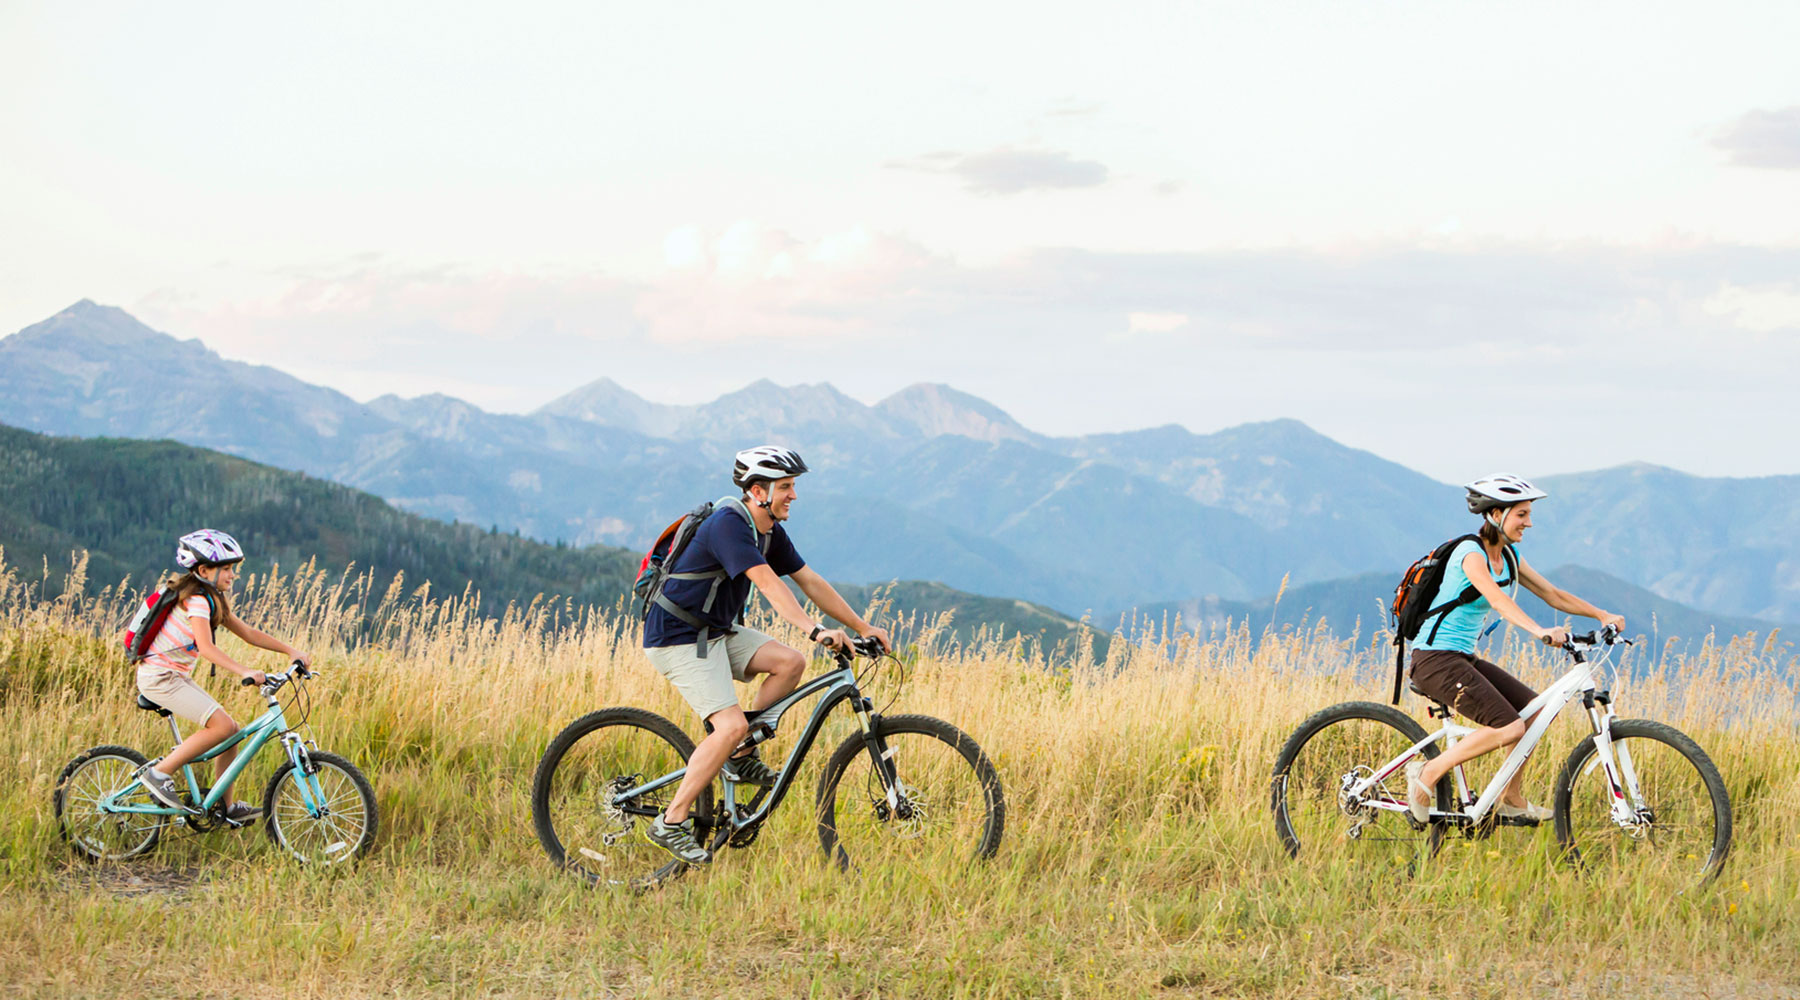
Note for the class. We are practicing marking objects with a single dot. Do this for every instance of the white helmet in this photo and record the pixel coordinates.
(1499, 490)
(767, 462)
(207, 547)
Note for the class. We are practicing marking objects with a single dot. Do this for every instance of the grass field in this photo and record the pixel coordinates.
(1139, 857)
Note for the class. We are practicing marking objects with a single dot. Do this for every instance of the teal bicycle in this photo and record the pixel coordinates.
(318, 807)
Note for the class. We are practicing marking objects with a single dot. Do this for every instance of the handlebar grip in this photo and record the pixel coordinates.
(246, 682)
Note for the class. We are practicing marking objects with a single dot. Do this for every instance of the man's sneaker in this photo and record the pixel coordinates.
(677, 839)
(242, 812)
(750, 770)
(164, 791)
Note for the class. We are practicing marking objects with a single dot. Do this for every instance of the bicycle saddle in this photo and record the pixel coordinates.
(1414, 688)
(151, 706)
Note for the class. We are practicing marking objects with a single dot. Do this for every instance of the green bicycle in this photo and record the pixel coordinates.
(318, 807)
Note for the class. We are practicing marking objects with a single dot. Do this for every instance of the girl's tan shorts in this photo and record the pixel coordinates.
(176, 692)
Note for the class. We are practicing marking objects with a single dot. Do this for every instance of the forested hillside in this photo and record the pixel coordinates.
(126, 502)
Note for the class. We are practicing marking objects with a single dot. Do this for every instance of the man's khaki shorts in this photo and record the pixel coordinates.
(706, 683)
(176, 692)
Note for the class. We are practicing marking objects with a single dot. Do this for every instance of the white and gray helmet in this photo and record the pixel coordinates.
(207, 547)
(1500, 490)
(766, 463)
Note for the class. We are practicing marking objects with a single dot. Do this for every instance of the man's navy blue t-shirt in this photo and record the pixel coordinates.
(723, 540)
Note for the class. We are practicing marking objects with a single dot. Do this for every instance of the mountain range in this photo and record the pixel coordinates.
(929, 483)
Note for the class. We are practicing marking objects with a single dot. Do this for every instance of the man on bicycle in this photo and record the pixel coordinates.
(692, 638)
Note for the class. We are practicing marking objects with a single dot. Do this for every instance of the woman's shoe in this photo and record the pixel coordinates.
(1537, 814)
(1418, 795)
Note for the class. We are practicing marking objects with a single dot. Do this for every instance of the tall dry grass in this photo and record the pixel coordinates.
(1139, 856)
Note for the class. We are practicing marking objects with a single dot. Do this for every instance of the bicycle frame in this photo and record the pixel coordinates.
(270, 725)
(837, 686)
(1621, 777)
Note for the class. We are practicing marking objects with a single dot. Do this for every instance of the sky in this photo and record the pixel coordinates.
(1467, 237)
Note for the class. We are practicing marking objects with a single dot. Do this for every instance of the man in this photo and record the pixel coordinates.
(692, 639)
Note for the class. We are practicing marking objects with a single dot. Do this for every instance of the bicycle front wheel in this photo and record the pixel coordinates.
(1679, 825)
(581, 820)
(97, 835)
(1332, 751)
(947, 804)
(330, 825)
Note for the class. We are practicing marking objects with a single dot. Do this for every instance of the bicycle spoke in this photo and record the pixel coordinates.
(1317, 816)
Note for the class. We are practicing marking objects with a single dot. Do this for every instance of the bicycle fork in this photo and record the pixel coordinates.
(882, 756)
(1615, 761)
(311, 795)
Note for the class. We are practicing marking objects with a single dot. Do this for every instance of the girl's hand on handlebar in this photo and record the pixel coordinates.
(255, 678)
(1557, 636)
(296, 656)
(877, 632)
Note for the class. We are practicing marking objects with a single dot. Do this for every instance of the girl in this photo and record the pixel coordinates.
(1444, 664)
(166, 675)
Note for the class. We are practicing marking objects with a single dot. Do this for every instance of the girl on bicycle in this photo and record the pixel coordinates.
(1444, 664)
(166, 675)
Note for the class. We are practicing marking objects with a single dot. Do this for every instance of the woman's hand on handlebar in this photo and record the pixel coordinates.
(1558, 636)
(1612, 621)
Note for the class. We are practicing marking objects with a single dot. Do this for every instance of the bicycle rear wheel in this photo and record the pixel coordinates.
(104, 836)
(1682, 816)
(580, 822)
(948, 805)
(1331, 750)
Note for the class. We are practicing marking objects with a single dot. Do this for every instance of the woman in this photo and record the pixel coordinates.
(166, 675)
(1444, 664)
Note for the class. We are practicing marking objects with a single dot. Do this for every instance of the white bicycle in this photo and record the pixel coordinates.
(1635, 792)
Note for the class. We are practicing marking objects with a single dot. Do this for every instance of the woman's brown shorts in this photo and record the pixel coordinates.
(1476, 689)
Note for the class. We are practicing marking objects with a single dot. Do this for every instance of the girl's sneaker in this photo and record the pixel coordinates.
(242, 813)
(163, 790)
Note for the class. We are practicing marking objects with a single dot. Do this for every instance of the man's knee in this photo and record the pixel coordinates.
(729, 724)
(778, 660)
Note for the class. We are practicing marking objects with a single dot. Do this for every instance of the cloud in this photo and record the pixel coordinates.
(1760, 309)
(1007, 170)
(1155, 322)
(1769, 139)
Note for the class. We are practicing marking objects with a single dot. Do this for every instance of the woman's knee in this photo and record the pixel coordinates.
(1512, 732)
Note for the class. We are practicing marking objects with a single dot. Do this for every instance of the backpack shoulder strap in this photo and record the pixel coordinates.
(762, 539)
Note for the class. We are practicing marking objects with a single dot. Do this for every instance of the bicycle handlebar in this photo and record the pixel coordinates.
(867, 646)
(1607, 635)
(273, 682)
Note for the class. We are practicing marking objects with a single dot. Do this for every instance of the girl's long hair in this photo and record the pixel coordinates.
(1490, 535)
(188, 584)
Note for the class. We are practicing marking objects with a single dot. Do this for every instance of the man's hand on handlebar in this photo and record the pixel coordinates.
(877, 632)
(835, 638)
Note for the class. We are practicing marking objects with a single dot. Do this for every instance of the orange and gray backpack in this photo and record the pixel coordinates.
(657, 568)
(1412, 606)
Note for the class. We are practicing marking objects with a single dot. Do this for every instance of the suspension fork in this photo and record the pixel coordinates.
(1615, 760)
(880, 753)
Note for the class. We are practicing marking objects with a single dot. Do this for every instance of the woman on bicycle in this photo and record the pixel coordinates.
(166, 675)
(1444, 664)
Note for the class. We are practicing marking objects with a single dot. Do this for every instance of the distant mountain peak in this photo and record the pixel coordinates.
(89, 323)
(933, 409)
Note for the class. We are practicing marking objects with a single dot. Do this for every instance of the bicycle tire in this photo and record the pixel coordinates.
(1677, 834)
(93, 773)
(936, 797)
(568, 809)
(1312, 794)
(343, 834)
